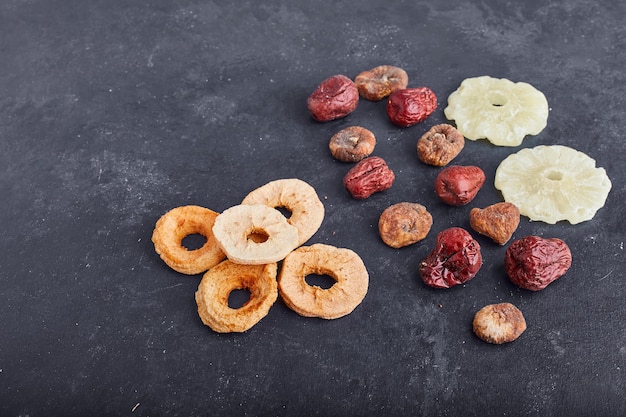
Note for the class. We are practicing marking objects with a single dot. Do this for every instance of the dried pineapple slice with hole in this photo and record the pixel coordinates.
(498, 110)
(553, 183)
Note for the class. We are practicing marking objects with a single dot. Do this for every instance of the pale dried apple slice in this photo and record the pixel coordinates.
(553, 183)
(497, 109)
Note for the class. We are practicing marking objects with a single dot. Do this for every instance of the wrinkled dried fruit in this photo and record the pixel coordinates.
(458, 185)
(455, 259)
(498, 221)
(410, 106)
(369, 176)
(335, 97)
(440, 145)
(404, 224)
(533, 262)
(379, 82)
(499, 323)
(352, 144)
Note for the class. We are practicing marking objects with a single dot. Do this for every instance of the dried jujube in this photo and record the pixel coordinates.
(458, 185)
(410, 106)
(455, 259)
(334, 98)
(533, 262)
(371, 175)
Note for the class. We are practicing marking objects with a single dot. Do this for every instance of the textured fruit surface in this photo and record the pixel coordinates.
(455, 259)
(497, 221)
(533, 262)
(352, 144)
(334, 98)
(404, 224)
(458, 185)
(440, 145)
(498, 110)
(410, 106)
(371, 175)
(499, 323)
(379, 82)
(553, 183)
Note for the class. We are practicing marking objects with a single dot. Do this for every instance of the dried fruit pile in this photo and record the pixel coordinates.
(245, 242)
(242, 248)
(546, 183)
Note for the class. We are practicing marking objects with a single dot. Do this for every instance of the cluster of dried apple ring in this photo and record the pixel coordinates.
(245, 243)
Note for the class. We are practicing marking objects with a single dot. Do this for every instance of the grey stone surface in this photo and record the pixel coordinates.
(111, 113)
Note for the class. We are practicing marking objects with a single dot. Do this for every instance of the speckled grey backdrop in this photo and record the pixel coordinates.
(113, 112)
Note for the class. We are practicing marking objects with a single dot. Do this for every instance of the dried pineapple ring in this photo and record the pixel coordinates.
(498, 110)
(553, 183)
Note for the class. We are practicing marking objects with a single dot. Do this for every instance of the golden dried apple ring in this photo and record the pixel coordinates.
(343, 265)
(218, 283)
(174, 226)
(295, 195)
(254, 234)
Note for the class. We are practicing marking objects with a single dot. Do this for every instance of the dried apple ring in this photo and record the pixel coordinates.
(254, 234)
(498, 110)
(218, 283)
(296, 196)
(343, 265)
(174, 226)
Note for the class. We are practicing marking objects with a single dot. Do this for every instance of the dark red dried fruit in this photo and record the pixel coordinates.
(410, 106)
(335, 97)
(458, 185)
(455, 259)
(369, 176)
(533, 262)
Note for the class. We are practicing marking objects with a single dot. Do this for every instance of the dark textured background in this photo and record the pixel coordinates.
(113, 112)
